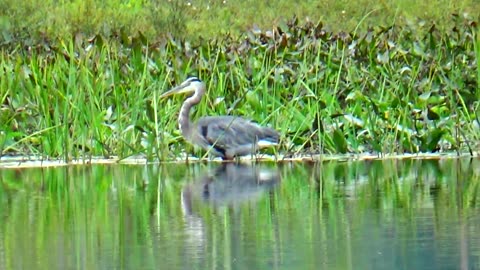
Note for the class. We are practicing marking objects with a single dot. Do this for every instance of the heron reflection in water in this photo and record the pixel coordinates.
(230, 184)
(224, 136)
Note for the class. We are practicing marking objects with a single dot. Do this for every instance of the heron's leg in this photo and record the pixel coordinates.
(227, 159)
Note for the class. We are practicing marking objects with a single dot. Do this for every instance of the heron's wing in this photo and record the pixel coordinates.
(229, 132)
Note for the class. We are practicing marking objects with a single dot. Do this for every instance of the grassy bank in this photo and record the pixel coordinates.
(398, 88)
(208, 18)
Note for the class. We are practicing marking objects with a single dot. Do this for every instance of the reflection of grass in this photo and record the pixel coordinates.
(89, 215)
(209, 18)
(68, 211)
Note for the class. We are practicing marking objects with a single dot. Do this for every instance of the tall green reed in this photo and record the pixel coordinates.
(385, 90)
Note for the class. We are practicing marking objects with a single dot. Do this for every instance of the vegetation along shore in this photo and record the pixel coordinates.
(403, 86)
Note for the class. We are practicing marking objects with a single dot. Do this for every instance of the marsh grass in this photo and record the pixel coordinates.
(35, 19)
(396, 89)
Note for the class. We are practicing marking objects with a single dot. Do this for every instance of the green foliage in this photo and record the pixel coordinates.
(38, 19)
(391, 89)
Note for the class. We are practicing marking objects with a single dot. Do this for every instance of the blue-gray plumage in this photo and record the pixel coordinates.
(224, 136)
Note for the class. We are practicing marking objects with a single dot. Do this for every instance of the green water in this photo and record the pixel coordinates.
(392, 214)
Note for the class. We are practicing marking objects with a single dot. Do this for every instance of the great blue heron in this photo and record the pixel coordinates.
(224, 136)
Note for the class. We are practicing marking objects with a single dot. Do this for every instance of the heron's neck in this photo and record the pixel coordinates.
(184, 122)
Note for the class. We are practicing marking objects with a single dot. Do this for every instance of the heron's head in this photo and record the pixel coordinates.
(190, 85)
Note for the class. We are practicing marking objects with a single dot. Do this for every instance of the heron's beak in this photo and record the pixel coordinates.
(178, 90)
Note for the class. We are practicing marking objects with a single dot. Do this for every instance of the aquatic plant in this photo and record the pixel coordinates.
(401, 88)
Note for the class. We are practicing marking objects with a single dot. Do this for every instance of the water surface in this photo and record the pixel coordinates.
(390, 214)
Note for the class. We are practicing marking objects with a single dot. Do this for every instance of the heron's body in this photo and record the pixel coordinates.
(224, 136)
